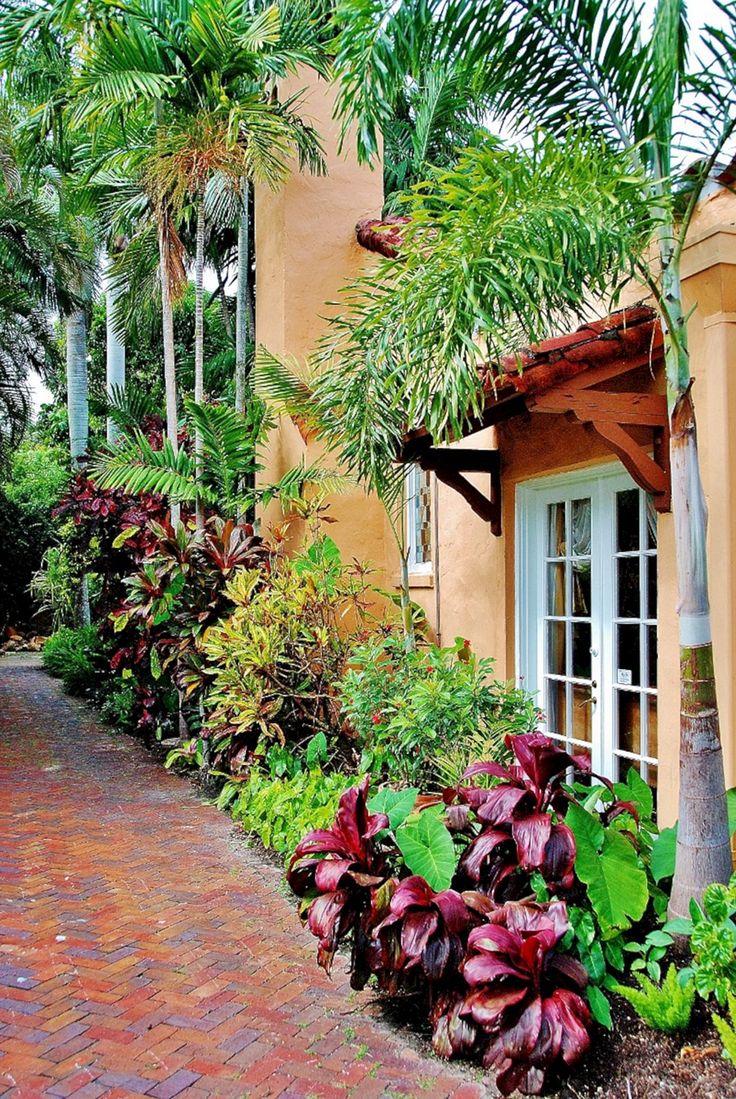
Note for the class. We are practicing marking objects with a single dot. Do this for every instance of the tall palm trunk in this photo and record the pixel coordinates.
(78, 415)
(199, 348)
(167, 323)
(703, 846)
(114, 357)
(242, 308)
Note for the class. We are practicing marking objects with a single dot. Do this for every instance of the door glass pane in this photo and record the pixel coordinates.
(581, 588)
(651, 524)
(556, 708)
(580, 528)
(652, 654)
(556, 588)
(556, 648)
(582, 713)
(627, 520)
(629, 721)
(581, 655)
(628, 656)
(556, 539)
(628, 587)
(653, 746)
(651, 567)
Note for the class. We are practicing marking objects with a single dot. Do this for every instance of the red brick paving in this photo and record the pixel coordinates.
(144, 951)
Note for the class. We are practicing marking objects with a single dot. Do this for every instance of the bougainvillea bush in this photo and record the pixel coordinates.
(474, 898)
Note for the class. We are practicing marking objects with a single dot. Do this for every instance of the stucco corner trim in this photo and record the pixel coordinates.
(717, 319)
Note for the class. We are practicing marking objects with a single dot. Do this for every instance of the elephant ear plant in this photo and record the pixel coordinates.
(492, 969)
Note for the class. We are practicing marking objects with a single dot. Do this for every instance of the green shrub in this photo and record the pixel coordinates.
(76, 657)
(280, 810)
(666, 1007)
(274, 663)
(727, 1030)
(424, 715)
(712, 931)
(119, 706)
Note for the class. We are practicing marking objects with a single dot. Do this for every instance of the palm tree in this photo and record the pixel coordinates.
(609, 98)
(208, 74)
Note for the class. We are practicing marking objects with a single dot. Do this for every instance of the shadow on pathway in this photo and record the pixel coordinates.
(145, 952)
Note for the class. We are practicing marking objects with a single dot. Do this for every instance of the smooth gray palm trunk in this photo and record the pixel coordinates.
(199, 350)
(114, 358)
(242, 309)
(77, 402)
(703, 844)
(167, 322)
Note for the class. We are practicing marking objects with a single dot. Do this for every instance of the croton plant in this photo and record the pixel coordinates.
(475, 939)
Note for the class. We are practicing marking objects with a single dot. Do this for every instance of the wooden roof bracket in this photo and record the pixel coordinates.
(611, 415)
(449, 465)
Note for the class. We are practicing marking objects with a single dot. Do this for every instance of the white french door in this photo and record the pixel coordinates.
(587, 615)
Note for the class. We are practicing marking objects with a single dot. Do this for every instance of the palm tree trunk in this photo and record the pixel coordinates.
(77, 399)
(242, 308)
(76, 386)
(199, 348)
(115, 358)
(167, 322)
(703, 845)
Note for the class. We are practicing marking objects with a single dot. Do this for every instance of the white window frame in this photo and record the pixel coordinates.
(416, 568)
(532, 498)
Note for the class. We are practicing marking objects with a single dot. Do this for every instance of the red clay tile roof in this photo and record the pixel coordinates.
(629, 335)
(381, 235)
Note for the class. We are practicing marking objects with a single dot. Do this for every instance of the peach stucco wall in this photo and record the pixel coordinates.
(306, 250)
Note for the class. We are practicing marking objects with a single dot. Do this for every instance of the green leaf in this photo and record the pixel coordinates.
(641, 792)
(396, 804)
(600, 1008)
(617, 885)
(316, 750)
(588, 831)
(156, 669)
(123, 537)
(428, 849)
(663, 854)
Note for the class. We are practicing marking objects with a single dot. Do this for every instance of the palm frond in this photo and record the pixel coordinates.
(137, 467)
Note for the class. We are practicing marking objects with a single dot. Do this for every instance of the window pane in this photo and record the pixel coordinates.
(580, 533)
(629, 731)
(557, 540)
(628, 587)
(627, 519)
(556, 588)
(650, 564)
(653, 746)
(582, 713)
(556, 648)
(581, 656)
(652, 646)
(556, 707)
(581, 588)
(651, 524)
(628, 656)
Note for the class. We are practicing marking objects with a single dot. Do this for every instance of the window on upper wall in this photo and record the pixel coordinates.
(418, 497)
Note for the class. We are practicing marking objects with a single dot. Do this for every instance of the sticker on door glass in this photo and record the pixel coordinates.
(623, 677)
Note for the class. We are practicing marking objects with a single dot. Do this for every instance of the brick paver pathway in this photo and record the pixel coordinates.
(144, 951)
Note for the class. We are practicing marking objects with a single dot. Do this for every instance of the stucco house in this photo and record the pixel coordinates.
(544, 536)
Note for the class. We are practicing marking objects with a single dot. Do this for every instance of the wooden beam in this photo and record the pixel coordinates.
(645, 471)
(645, 409)
(488, 509)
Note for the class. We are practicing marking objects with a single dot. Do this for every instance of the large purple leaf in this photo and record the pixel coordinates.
(488, 768)
(481, 849)
(487, 1005)
(574, 1018)
(559, 856)
(485, 968)
(502, 802)
(329, 873)
(531, 835)
(416, 929)
(520, 1038)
